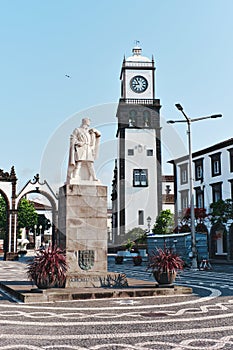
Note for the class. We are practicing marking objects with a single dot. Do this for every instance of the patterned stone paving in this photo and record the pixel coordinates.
(202, 321)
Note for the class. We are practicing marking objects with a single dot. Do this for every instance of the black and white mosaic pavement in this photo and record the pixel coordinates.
(201, 321)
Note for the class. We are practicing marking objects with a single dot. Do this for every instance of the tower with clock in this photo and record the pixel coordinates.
(137, 184)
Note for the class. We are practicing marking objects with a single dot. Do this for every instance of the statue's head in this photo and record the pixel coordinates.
(86, 121)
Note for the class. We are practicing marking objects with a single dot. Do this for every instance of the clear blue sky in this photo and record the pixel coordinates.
(41, 41)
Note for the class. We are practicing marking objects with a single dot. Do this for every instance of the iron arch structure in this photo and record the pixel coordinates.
(8, 183)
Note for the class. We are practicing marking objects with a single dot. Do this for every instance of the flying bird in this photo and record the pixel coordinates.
(68, 76)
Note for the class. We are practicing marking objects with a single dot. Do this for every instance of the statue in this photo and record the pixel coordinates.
(84, 146)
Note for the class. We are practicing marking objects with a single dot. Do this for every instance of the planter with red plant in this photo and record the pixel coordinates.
(119, 259)
(137, 260)
(48, 268)
(164, 265)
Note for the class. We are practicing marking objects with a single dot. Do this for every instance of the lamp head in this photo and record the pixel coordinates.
(179, 107)
(170, 121)
(216, 116)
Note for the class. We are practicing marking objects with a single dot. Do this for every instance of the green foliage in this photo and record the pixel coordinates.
(142, 239)
(221, 211)
(44, 222)
(164, 222)
(135, 233)
(3, 217)
(27, 216)
(129, 245)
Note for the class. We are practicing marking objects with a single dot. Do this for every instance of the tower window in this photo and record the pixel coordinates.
(140, 217)
(140, 178)
(130, 152)
(149, 152)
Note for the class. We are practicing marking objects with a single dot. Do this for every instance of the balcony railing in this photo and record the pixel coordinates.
(145, 101)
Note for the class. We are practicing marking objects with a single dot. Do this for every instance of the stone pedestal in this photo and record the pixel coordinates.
(83, 233)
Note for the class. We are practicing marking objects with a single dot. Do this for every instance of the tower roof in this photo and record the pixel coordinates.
(137, 55)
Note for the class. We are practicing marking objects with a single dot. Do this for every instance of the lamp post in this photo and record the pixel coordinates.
(35, 228)
(192, 214)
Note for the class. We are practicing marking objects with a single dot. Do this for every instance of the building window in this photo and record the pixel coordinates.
(231, 184)
(130, 152)
(184, 199)
(149, 152)
(231, 159)
(146, 118)
(199, 169)
(140, 217)
(216, 191)
(216, 164)
(140, 178)
(132, 118)
(183, 174)
(199, 197)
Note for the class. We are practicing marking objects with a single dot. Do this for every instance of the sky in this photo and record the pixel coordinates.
(43, 41)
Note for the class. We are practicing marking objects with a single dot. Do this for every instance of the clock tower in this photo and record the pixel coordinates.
(137, 184)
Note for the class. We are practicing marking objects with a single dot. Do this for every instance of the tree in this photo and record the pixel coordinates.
(3, 217)
(134, 236)
(221, 212)
(135, 233)
(199, 214)
(164, 222)
(27, 216)
(185, 224)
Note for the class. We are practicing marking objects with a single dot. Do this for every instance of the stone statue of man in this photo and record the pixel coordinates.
(84, 146)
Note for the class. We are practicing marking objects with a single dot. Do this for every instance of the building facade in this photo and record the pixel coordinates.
(212, 180)
(137, 181)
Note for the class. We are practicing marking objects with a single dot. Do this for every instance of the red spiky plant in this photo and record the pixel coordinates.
(164, 260)
(48, 268)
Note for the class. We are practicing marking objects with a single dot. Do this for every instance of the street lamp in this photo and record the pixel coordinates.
(189, 121)
(35, 228)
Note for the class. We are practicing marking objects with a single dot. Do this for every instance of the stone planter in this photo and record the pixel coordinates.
(165, 279)
(119, 259)
(137, 260)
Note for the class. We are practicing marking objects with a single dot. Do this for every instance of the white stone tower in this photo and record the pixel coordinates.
(137, 190)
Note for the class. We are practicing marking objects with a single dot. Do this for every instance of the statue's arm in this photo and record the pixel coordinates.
(95, 131)
(77, 139)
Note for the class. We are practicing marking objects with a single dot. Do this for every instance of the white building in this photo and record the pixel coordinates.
(137, 183)
(212, 180)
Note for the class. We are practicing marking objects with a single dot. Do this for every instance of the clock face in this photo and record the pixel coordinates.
(138, 84)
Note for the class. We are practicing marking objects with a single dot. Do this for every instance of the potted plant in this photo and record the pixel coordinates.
(119, 259)
(48, 268)
(164, 265)
(137, 260)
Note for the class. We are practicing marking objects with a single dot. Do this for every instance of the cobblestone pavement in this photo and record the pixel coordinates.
(219, 277)
(200, 321)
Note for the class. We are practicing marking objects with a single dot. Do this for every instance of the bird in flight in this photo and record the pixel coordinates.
(68, 76)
